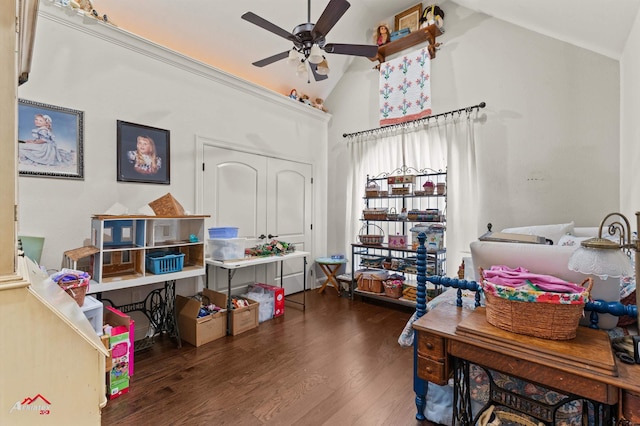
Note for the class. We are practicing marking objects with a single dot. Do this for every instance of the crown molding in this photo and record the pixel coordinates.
(79, 21)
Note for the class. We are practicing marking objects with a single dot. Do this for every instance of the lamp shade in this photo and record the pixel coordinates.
(301, 71)
(294, 57)
(315, 55)
(323, 68)
(603, 263)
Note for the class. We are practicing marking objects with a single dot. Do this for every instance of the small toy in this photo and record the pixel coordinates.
(432, 14)
(320, 104)
(305, 99)
(193, 238)
(293, 94)
(382, 35)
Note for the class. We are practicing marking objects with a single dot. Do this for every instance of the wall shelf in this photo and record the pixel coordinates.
(423, 34)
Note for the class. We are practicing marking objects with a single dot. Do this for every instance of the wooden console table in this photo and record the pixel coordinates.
(449, 339)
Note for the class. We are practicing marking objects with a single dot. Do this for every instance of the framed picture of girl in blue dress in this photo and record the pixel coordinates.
(50, 141)
(143, 154)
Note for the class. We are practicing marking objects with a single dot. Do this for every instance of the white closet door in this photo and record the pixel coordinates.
(261, 196)
(289, 212)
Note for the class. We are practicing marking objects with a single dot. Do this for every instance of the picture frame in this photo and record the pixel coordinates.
(410, 18)
(50, 141)
(143, 154)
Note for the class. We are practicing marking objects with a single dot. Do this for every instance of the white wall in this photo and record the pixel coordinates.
(630, 126)
(548, 144)
(110, 75)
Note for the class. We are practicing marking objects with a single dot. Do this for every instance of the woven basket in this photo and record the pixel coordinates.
(400, 190)
(370, 283)
(75, 287)
(391, 289)
(371, 239)
(506, 418)
(374, 214)
(553, 321)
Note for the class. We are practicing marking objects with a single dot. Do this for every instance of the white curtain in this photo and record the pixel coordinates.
(442, 143)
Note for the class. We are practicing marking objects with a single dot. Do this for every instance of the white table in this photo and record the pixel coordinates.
(233, 265)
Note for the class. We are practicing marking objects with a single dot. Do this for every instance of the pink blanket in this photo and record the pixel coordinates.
(519, 277)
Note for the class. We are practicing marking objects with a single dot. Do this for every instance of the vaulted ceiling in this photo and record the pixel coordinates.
(212, 31)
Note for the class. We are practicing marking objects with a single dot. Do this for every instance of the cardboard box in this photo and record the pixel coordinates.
(121, 347)
(198, 331)
(118, 318)
(245, 318)
(107, 364)
(278, 298)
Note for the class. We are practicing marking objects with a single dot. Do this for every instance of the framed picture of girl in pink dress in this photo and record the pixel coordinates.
(50, 141)
(143, 154)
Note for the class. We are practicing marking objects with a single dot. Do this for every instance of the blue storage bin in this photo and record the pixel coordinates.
(225, 232)
(163, 262)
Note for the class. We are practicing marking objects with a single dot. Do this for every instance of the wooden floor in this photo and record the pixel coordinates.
(336, 363)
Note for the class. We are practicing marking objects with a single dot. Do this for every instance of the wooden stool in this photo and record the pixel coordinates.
(330, 268)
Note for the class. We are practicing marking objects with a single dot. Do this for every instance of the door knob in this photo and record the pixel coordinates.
(272, 236)
(262, 236)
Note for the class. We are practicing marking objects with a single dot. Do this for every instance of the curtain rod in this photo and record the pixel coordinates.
(406, 123)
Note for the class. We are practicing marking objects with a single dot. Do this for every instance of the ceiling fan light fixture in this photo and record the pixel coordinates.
(323, 68)
(315, 55)
(301, 71)
(294, 57)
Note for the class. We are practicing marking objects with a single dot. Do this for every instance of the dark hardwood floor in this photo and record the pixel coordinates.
(336, 363)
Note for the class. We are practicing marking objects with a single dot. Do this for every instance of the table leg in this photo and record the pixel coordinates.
(160, 309)
(331, 277)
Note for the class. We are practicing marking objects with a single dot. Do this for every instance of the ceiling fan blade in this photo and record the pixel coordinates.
(366, 50)
(263, 23)
(330, 16)
(314, 70)
(271, 59)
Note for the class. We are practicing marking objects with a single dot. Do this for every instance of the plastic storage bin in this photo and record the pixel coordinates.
(226, 248)
(164, 262)
(227, 232)
(92, 309)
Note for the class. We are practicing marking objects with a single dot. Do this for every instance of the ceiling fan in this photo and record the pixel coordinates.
(309, 40)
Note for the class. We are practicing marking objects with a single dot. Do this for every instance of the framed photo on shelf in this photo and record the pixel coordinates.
(410, 18)
(50, 141)
(143, 154)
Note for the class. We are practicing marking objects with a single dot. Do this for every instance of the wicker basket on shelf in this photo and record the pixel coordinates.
(375, 214)
(542, 314)
(393, 288)
(370, 282)
(401, 190)
(371, 239)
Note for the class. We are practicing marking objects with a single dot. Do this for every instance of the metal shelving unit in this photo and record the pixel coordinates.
(395, 203)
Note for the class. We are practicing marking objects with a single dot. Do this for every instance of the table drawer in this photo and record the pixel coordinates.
(433, 371)
(431, 346)
(631, 407)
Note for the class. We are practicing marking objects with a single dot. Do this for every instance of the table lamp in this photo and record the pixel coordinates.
(608, 260)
